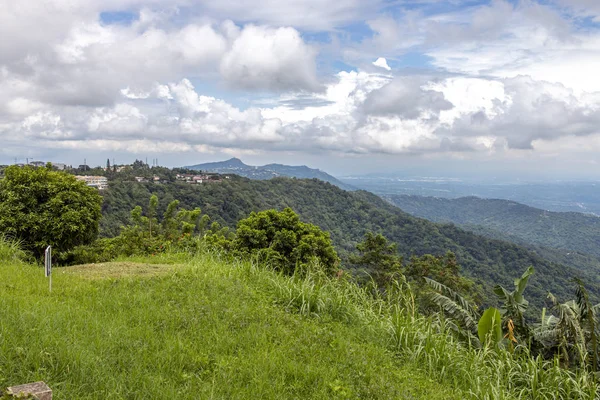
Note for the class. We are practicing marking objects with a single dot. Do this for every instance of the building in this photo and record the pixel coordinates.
(59, 166)
(99, 182)
(205, 178)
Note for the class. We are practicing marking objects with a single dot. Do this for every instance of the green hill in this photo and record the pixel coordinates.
(559, 230)
(183, 326)
(236, 166)
(198, 330)
(348, 215)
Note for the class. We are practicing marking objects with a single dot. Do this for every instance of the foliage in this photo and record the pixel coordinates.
(146, 234)
(525, 224)
(42, 207)
(514, 305)
(489, 327)
(348, 216)
(379, 257)
(572, 332)
(237, 330)
(11, 251)
(285, 242)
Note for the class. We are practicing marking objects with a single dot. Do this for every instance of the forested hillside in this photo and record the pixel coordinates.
(348, 215)
(559, 230)
(236, 166)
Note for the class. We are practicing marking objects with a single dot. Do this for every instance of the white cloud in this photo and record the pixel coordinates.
(382, 63)
(306, 14)
(271, 59)
(510, 76)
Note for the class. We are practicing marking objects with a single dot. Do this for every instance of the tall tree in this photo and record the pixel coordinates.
(42, 207)
(379, 256)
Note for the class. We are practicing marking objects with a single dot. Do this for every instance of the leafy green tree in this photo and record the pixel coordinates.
(284, 241)
(378, 256)
(43, 207)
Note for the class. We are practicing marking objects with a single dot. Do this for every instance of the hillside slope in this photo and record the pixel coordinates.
(348, 215)
(236, 166)
(199, 330)
(559, 230)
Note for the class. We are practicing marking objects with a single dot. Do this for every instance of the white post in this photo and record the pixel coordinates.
(48, 265)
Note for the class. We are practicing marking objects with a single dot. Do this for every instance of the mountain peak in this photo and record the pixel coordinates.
(236, 166)
(234, 161)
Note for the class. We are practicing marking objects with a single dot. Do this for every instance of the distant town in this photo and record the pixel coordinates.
(138, 171)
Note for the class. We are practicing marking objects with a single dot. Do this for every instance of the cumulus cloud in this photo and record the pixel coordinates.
(527, 110)
(73, 58)
(407, 98)
(504, 77)
(382, 63)
(272, 59)
(307, 14)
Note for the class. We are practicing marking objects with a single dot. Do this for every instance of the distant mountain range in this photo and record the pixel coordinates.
(236, 166)
(509, 220)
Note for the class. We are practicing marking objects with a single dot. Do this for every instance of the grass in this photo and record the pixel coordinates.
(203, 329)
(122, 269)
(193, 326)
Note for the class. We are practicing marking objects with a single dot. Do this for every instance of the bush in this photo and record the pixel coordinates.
(41, 207)
(286, 243)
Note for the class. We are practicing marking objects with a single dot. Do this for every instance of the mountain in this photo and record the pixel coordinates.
(348, 216)
(236, 166)
(568, 231)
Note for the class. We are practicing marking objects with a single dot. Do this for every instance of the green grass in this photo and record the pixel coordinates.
(204, 329)
(193, 326)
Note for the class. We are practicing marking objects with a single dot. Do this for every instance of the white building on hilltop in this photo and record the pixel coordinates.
(99, 182)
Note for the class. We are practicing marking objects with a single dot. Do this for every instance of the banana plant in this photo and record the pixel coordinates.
(572, 332)
(514, 306)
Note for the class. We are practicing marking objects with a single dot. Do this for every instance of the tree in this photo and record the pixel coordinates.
(42, 207)
(378, 256)
(284, 241)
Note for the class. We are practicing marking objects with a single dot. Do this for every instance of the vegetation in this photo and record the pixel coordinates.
(145, 234)
(348, 216)
(42, 207)
(558, 230)
(285, 242)
(250, 306)
(205, 328)
(200, 328)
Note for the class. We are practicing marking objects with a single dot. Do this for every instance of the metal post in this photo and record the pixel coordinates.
(48, 265)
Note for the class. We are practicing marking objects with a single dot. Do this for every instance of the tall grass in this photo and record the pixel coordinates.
(11, 251)
(233, 329)
(204, 329)
(429, 342)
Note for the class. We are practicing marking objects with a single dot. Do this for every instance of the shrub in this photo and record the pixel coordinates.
(41, 207)
(285, 242)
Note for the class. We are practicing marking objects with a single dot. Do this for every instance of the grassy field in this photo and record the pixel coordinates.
(180, 326)
(199, 330)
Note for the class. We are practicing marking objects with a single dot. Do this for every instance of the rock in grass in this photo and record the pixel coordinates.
(39, 390)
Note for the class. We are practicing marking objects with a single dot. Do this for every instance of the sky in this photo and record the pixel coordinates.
(443, 88)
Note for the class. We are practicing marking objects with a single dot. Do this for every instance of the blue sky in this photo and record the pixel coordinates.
(348, 86)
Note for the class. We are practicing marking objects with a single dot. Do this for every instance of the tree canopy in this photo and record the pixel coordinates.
(285, 241)
(42, 207)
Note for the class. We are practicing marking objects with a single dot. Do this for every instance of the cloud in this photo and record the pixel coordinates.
(504, 40)
(504, 77)
(526, 110)
(382, 63)
(407, 98)
(270, 59)
(313, 15)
